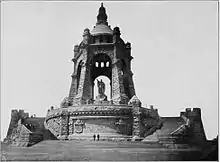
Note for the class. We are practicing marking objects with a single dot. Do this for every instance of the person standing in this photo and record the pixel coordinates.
(98, 137)
(94, 136)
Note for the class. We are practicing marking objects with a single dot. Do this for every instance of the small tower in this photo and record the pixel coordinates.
(102, 52)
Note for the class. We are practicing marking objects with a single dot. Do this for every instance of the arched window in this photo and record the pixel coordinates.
(96, 64)
(78, 73)
(98, 69)
(107, 64)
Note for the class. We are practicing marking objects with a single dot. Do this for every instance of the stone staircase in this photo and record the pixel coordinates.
(29, 132)
(163, 135)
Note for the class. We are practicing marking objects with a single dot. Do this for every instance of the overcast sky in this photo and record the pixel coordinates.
(174, 45)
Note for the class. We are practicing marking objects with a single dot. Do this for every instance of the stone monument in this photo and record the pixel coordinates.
(102, 52)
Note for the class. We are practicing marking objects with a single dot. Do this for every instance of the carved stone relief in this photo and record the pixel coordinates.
(78, 126)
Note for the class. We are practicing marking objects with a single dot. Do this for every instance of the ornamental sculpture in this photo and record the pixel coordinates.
(101, 91)
(78, 125)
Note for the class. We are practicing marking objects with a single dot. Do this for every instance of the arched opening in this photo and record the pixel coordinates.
(106, 81)
(101, 69)
(79, 73)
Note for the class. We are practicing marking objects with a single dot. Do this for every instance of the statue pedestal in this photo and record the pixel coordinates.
(102, 102)
(101, 97)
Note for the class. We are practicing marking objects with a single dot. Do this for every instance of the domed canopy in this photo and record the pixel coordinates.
(102, 24)
(101, 29)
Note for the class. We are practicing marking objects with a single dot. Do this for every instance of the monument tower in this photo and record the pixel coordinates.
(102, 52)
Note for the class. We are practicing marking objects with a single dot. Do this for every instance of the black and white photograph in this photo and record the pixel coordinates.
(109, 80)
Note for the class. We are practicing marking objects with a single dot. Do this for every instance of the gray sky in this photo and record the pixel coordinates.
(174, 45)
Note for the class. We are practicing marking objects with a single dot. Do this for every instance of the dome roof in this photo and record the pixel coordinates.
(100, 29)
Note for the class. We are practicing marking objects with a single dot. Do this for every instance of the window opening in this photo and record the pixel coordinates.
(102, 64)
(96, 64)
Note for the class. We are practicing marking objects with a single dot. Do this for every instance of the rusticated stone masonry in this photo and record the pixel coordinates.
(136, 122)
(118, 92)
(136, 113)
(64, 129)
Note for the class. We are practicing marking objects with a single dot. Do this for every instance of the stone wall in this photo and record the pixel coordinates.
(106, 125)
(25, 131)
(193, 125)
(54, 125)
(102, 119)
(22, 137)
(15, 117)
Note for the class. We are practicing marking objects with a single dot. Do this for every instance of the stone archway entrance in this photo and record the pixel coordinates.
(101, 67)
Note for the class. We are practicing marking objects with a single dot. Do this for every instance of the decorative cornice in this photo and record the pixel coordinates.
(59, 112)
(100, 51)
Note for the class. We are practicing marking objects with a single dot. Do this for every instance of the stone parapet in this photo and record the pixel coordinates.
(192, 130)
(94, 118)
(90, 109)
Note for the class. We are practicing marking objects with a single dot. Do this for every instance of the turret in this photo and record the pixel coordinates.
(196, 125)
(15, 116)
(86, 36)
(116, 35)
(194, 113)
(76, 50)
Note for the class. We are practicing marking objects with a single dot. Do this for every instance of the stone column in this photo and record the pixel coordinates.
(131, 83)
(136, 112)
(79, 96)
(118, 92)
(71, 125)
(64, 126)
(73, 88)
(85, 85)
(136, 121)
(197, 129)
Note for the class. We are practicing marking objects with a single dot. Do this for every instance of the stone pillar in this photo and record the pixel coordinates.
(118, 92)
(84, 86)
(73, 88)
(71, 125)
(88, 85)
(136, 106)
(197, 129)
(64, 126)
(14, 120)
(136, 122)
(131, 84)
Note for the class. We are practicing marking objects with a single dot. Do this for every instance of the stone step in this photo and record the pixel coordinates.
(103, 136)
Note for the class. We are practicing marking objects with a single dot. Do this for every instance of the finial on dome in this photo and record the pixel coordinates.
(102, 16)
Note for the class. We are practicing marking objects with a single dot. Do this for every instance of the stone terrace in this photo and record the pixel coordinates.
(98, 150)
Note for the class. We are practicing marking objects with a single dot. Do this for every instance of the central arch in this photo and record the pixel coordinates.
(101, 65)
